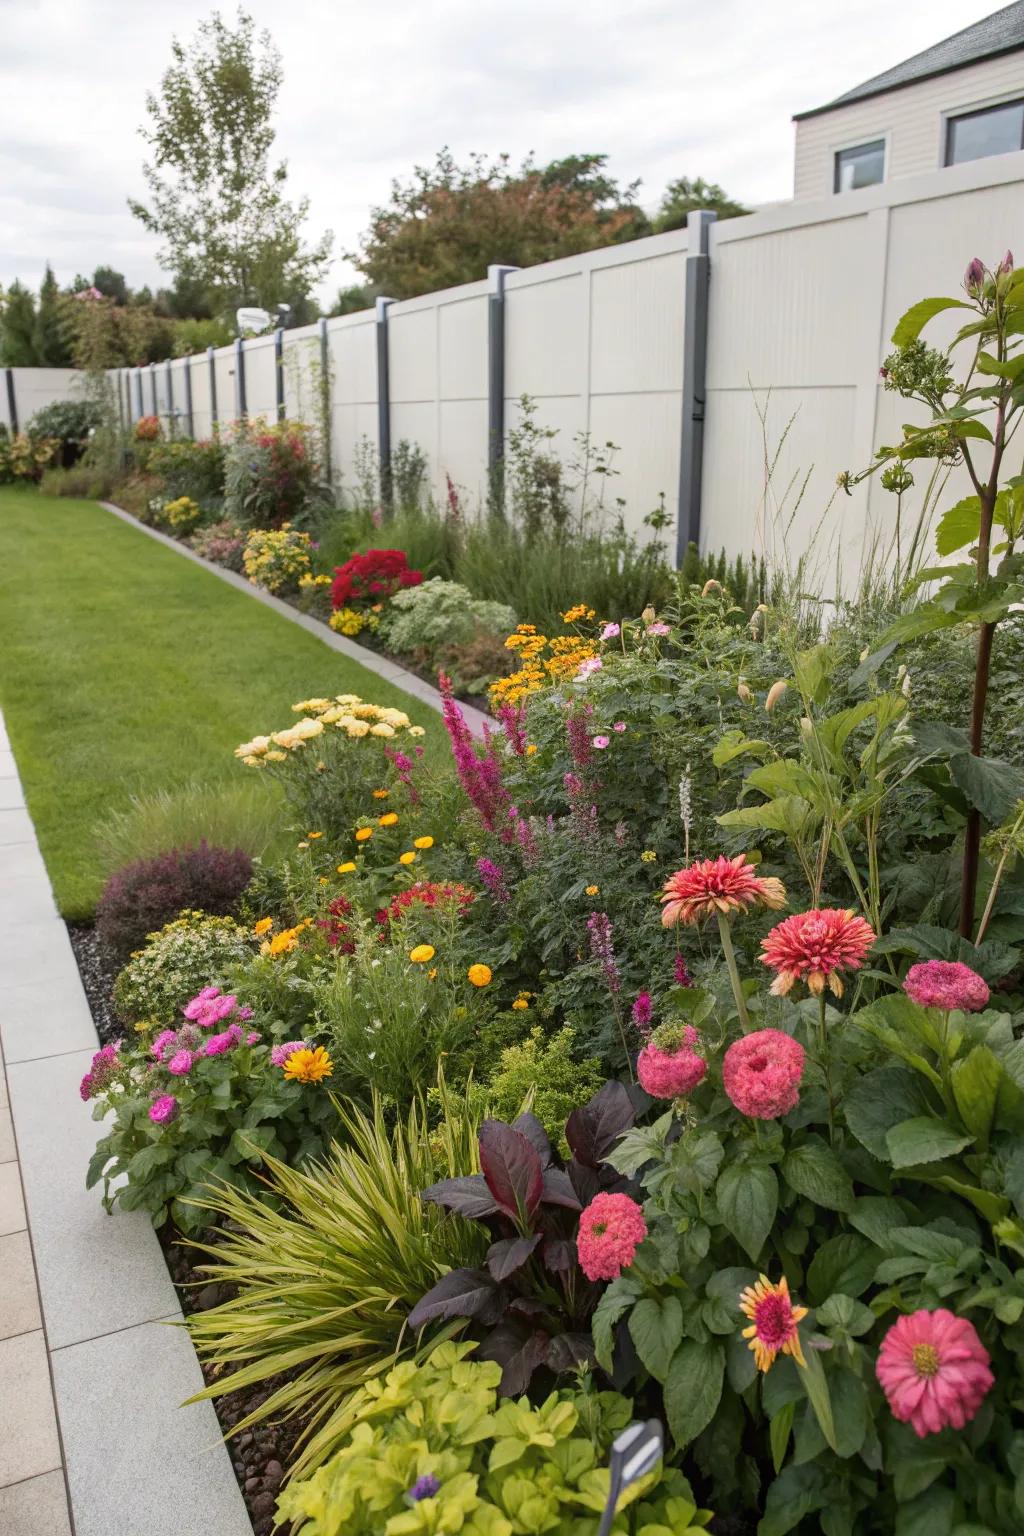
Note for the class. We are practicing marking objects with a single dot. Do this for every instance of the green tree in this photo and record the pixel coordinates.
(684, 196)
(50, 332)
(18, 327)
(353, 298)
(111, 284)
(216, 200)
(450, 222)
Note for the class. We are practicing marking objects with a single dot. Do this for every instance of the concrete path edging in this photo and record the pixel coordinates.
(400, 677)
(93, 1441)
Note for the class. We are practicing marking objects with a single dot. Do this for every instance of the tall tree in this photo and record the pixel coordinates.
(216, 200)
(684, 196)
(50, 332)
(17, 327)
(450, 222)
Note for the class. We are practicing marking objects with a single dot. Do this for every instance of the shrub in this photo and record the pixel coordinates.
(147, 893)
(178, 517)
(269, 473)
(228, 815)
(23, 458)
(147, 429)
(276, 558)
(353, 1247)
(431, 1449)
(222, 542)
(190, 468)
(69, 422)
(544, 1073)
(200, 1104)
(439, 614)
(84, 482)
(175, 963)
(372, 578)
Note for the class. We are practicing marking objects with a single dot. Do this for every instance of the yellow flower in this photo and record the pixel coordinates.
(364, 834)
(389, 819)
(314, 835)
(302, 845)
(431, 976)
(263, 926)
(381, 794)
(648, 856)
(279, 757)
(520, 1003)
(773, 1322)
(382, 729)
(407, 858)
(423, 842)
(592, 890)
(346, 869)
(282, 943)
(531, 747)
(308, 1066)
(324, 880)
(357, 728)
(479, 975)
(416, 730)
(422, 953)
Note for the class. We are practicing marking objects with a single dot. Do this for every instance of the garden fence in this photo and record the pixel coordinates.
(705, 355)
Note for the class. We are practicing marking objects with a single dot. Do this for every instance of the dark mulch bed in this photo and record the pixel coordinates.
(98, 970)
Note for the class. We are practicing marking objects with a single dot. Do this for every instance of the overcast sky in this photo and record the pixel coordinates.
(665, 87)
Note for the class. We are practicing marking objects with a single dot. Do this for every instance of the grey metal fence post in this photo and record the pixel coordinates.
(12, 401)
(239, 377)
(152, 389)
(120, 402)
(171, 421)
(212, 361)
(384, 401)
(325, 394)
(695, 345)
(279, 371)
(189, 420)
(138, 390)
(496, 365)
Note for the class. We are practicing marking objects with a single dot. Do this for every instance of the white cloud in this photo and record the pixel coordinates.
(664, 87)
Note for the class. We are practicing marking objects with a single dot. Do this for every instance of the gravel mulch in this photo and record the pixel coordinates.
(98, 970)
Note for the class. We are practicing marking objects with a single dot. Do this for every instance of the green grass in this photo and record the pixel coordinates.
(125, 669)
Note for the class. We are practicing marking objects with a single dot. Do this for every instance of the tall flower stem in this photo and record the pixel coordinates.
(734, 975)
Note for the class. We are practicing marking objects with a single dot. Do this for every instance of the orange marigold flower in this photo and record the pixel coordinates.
(364, 834)
(389, 819)
(814, 947)
(479, 975)
(773, 1322)
(308, 1066)
(381, 794)
(718, 885)
(263, 926)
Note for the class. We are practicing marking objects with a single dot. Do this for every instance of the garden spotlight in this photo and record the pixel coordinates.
(634, 1453)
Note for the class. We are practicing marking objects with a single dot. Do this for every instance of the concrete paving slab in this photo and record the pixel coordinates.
(46, 1020)
(28, 1425)
(12, 796)
(25, 894)
(8, 767)
(7, 1151)
(19, 1299)
(16, 827)
(36, 1507)
(12, 1201)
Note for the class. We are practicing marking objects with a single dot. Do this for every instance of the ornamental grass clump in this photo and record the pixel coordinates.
(148, 893)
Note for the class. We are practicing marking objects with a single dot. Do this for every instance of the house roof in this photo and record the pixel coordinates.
(1002, 32)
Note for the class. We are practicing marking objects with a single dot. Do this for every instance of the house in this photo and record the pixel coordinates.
(959, 100)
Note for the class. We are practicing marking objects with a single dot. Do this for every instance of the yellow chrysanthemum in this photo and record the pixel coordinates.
(422, 953)
(263, 926)
(592, 890)
(381, 794)
(389, 819)
(364, 834)
(479, 975)
(423, 842)
(407, 858)
(346, 868)
(308, 1066)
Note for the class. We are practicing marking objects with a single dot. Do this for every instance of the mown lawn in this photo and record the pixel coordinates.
(125, 668)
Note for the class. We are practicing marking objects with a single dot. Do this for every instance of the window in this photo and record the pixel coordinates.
(862, 166)
(992, 131)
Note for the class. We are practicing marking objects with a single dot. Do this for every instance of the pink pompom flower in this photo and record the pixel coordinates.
(279, 1053)
(600, 742)
(180, 1063)
(934, 1370)
(163, 1110)
(197, 1004)
(814, 947)
(611, 1229)
(216, 1045)
(946, 984)
(668, 1066)
(165, 1038)
(713, 886)
(761, 1073)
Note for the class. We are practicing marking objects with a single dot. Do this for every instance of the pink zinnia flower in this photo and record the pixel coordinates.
(934, 1370)
(165, 1038)
(180, 1063)
(611, 1229)
(946, 984)
(193, 1009)
(671, 1071)
(279, 1053)
(600, 742)
(717, 885)
(761, 1073)
(814, 947)
(610, 631)
(620, 726)
(163, 1110)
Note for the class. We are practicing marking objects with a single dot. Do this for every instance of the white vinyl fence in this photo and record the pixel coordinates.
(794, 305)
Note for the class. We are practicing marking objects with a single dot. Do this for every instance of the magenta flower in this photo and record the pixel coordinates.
(671, 1073)
(641, 1013)
(610, 631)
(252, 1038)
(165, 1038)
(659, 629)
(279, 1053)
(761, 1073)
(600, 742)
(681, 974)
(611, 1229)
(946, 984)
(163, 1110)
(216, 1045)
(934, 1370)
(620, 726)
(599, 927)
(101, 1069)
(180, 1063)
(494, 879)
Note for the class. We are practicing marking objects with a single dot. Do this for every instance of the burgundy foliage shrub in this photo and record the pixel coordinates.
(145, 895)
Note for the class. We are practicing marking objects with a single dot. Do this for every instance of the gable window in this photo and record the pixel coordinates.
(992, 131)
(861, 166)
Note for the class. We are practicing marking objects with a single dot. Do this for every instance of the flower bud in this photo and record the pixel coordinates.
(775, 693)
(865, 653)
(743, 693)
(1006, 265)
(974, 277)
(648, 615)
(806, 727)
(711, 586)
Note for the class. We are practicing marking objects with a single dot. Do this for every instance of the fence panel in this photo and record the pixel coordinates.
(352, 350)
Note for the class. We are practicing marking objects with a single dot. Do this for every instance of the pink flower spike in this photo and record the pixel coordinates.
(946, 984)
(611, 1229)
(934, 1370)
(761, 1073)
(600, 742)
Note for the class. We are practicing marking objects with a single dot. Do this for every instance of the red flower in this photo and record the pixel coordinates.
(714, 886)
(934, 1370)
(814, 947)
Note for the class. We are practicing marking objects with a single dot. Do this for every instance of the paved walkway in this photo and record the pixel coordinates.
(92, 1440)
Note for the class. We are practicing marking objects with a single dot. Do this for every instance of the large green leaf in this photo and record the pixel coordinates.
(880, 1099)
(814, 1170)
(976, 1081)
(815, 1384)
(747, 1195)
(959, 526)
(924, 1139)
(787, 813)
(693, 1387)
(795, 1493)
(656, 1328)
(911, 324)
(847, 1263)
(990, 785)
(778, 1433)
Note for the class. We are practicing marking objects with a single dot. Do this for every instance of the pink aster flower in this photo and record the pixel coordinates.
(814, 947)
(713, 886)
(620, 726)
(165, 1038)
(216, 1045)
(761, 1073)
(181, 1063)
(279, 1053)
(668, 1066)
(193, 1009)
(589, 667)
(610, 631)
(946, 984)
(600, 742)
(163, 1110)
(253, 1037)
(934, 1370)
(611, 1229)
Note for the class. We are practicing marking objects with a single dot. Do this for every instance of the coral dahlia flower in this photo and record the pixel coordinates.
(814, 947)
(773, 1322)
(761, 1073)
(668, 1066)
(611, 1229)
(934, 1370)
(713, 886)
(946, 984)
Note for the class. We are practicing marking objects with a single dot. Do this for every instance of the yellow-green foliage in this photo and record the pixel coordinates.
(549, 1070)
